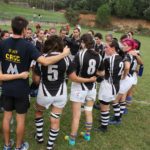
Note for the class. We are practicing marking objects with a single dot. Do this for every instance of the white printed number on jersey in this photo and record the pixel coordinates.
(91, 68)
(121, 65)
(52, 73)
(12, 69)
(134, 65)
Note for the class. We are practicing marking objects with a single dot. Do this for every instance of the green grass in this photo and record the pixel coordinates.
(132, 134)
(9, 11)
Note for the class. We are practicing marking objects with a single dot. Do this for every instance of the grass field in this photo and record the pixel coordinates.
(132, 134)
(9, 11)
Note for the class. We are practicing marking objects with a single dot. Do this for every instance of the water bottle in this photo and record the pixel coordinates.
(141, 69)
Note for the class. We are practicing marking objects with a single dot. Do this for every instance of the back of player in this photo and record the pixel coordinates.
(109, 87)
(86, 63)
(52, 90)
(52, 86)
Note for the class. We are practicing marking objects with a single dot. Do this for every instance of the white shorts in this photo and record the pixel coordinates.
(79, 95)
(125, 84)
(107, 91)
(57, 101)
(135, 79)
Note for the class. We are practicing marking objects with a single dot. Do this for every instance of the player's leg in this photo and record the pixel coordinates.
(122, 103)
(76, 113)
(21, 106)
(54, 126)
(6, 126)
(104, 106)
(89, 118)
(39, 123)
(20, 119)
(8, 107)
(77, 98)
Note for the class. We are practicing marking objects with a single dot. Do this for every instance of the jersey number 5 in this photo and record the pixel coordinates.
(52, 73)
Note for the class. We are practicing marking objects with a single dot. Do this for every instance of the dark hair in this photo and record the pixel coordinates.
(88, 40)
(130, 32)
(30, 29)
(91, 32)
(99, 35)
(77, 29)
(53, 44)
(114, 43)
(38, 26)
(124, 36)
(63, 29)
(3, 33)
(18, 24)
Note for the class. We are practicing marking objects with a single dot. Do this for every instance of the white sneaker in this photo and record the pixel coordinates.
(24, 146)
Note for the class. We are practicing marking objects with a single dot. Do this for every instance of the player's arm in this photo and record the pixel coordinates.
(36, 78)
(100, 73)
(6, 77)
(78, 79)
(45, 61)
(36, 74)
(127, 65)
(138, 57)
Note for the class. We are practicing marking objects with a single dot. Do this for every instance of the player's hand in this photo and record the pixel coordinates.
(93, 79)
(24, 75)
(66, 50)
(134, 53)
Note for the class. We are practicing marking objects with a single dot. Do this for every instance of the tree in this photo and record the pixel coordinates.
(124, 8)
(103, 15)
(72, 16)
(147, 13)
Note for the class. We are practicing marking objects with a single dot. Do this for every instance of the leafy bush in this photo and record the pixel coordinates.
(72, 16)
(147, 13)
(103, 15)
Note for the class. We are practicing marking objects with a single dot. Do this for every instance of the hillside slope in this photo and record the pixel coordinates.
(8, 11)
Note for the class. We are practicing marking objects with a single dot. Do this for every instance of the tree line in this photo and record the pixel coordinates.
(139, 9)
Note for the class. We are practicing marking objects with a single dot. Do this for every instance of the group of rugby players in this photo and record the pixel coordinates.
(114, 64)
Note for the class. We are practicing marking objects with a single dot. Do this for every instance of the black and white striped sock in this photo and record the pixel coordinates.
(52, 137)
(39, 122)
(122, 107)
(116, 108)
(104, 118)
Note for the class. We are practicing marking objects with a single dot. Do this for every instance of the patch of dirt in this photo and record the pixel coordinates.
(89, 20)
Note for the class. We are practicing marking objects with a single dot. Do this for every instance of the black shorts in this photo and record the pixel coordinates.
(20, 104)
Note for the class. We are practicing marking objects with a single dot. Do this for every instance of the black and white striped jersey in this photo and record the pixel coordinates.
(100, 49)
(133, 62)
(87, 63)
(114, 66)
(53, 76)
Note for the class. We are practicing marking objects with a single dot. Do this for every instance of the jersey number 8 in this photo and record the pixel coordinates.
(92, 67)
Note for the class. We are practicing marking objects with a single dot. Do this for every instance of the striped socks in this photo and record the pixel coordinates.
(116, 108)
(39, 122)
(53, 133)
(104, 119)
